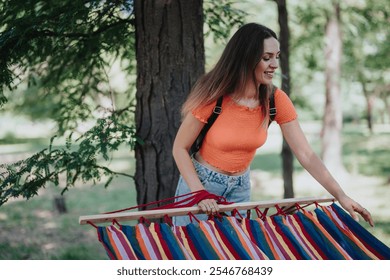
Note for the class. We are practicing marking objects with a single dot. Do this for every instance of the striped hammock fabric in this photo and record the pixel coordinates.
(326, 233)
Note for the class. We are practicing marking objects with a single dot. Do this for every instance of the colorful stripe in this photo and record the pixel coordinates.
(366, 248)
(328, 232)
(279, 239)
(181, 235)
(246, 243)
(130, 232)
(297, 231)
(350, 247)
(289, 238)
(231, 238)
(176, 250)
(369, 241)
(215, 240)
(103, 238)
(322, 238)
(254, 230)
(201, 243)
(146, 242)
(116, 243)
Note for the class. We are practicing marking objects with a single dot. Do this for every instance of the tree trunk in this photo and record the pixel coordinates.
(369, 101)
(369, 105)
(387, 106)
(287, 155)
(332, 121)
(170, 57)
(60, 205)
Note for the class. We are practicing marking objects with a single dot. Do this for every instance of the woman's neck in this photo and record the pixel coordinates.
(249, 92)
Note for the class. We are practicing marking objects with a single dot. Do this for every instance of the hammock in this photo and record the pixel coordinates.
(291, 232)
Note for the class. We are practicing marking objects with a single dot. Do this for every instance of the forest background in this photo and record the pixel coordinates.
(86, 128)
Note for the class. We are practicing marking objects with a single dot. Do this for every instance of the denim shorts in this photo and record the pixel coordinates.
(234, 188)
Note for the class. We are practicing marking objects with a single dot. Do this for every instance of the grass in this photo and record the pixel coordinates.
(34, 230)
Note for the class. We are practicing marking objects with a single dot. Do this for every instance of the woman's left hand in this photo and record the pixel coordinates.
(353, 207)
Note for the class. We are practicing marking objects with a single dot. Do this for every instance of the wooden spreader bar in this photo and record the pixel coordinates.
(156, 214)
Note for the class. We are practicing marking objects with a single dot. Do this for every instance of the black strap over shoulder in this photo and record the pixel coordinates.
(214, 115)
(272, 107)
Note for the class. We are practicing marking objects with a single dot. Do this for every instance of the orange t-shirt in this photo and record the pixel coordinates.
(232, 140)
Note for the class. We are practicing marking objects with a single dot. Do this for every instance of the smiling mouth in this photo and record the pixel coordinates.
(269, 74)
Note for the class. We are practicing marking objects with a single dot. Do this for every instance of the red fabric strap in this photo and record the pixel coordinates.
(189, 199)
(236, 212)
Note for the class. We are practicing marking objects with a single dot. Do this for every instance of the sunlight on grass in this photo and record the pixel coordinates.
(34, 230)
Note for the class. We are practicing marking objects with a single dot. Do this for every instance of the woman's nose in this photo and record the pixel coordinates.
(274, 63)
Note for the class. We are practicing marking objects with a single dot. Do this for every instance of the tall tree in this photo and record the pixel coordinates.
(333, 114)
(170, 57)
(287, 155)
(355, 42)
(321, 47)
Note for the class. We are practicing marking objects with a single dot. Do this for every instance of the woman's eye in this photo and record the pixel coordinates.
(269, 58)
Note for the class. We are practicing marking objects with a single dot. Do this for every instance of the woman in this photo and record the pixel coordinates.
(243, 76)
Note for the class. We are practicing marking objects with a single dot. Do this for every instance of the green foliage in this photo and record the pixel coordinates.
(64, 43)
(309, 32)
(26, 177)
(57, 59)
(221, 18)
(62, 52)
(367, 41)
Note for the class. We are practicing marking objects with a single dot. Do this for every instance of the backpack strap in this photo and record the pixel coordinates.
(214, 115)
(272, 107)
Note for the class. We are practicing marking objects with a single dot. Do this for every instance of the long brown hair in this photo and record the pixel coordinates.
(234, 68)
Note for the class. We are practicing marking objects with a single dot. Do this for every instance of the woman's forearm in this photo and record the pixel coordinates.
(309, 159)
(187, 169)
(314, 165)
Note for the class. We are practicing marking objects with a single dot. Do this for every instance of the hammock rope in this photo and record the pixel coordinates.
(189, 199)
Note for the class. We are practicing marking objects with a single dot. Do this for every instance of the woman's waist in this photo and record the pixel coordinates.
(202, 161)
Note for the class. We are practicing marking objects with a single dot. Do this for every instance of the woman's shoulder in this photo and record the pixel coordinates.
(280, 92)
(285, 108)
(204, 110)
(281, 96)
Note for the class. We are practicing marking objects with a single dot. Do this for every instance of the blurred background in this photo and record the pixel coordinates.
(72, 113)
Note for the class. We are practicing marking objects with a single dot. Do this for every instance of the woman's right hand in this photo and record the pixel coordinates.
(209, 206)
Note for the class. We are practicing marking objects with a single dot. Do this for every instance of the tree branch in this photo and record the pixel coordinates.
(50, 33)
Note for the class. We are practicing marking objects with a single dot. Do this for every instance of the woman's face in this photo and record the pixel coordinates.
(269, 61)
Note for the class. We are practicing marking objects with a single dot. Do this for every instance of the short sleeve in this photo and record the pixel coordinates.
(202, 113)
(285, 110)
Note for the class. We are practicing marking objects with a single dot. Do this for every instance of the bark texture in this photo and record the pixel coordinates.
(284, 37)
(170, 58)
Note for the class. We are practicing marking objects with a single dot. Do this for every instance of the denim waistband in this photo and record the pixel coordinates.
(220, 177)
